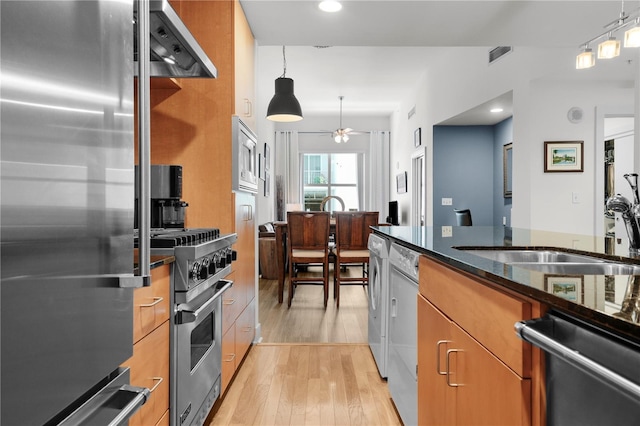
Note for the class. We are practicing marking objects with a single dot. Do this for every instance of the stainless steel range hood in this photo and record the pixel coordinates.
(174, 50)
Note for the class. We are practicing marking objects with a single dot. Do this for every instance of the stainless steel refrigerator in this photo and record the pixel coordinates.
(66, 211)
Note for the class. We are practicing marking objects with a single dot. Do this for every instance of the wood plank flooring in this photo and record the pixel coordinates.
(308, 321)
(313, 366)
(307, 384)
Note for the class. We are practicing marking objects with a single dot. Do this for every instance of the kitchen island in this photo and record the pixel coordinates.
(471, 366)
(596, 298)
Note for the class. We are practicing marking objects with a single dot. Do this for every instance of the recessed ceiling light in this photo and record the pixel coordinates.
(330, 6)
(496, 110)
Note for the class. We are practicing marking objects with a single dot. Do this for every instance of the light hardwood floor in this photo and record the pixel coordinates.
(313, 366)
(307, 320)
(307, 384)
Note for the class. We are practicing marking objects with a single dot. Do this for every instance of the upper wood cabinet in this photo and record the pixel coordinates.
(244, 64)
(191, 126)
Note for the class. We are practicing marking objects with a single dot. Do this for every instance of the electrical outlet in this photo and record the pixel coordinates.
(447, 231)
(575, 197)
(504, 220)
(447, 201)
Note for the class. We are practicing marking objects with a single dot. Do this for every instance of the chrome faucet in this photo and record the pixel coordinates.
(630, 212)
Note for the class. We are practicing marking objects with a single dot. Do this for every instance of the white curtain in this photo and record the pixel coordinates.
(287, 171)
(378, 173)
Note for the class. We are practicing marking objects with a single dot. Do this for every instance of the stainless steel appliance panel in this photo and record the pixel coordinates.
(245, 157)
(378, 325)
(66, 201)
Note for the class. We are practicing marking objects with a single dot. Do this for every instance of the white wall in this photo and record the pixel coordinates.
(545, 87)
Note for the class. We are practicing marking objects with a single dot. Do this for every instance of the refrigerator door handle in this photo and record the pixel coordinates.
(587, 365)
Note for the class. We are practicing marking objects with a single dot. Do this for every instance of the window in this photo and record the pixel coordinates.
(330, 174)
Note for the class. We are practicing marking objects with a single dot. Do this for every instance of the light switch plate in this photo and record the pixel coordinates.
(447, 231)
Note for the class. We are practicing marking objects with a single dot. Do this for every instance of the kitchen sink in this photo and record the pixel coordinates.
(532, 256)
(555, 261)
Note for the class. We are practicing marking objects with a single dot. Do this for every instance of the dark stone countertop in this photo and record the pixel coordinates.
(155, 261)
(595, 298)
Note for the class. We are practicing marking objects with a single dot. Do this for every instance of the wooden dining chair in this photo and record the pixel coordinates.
(352, 235)
(308, 244)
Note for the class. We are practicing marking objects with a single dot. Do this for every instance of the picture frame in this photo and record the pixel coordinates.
(267, 184)
(563, 156)
(417, 137)
(267, 157)
(570, 287)
(401, 182)
(261, 170)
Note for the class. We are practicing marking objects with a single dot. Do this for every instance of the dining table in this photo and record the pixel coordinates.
(281, 251)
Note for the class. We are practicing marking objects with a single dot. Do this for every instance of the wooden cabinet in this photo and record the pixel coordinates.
(238, 303)
(472, 368)
(149, 365)
(244, 65)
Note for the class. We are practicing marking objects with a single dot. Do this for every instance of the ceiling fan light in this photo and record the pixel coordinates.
(284, 106)
(586, 59)
(632, 37)
(609, 48)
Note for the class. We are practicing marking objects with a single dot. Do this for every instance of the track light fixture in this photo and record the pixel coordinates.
(284, 106)
(610, 47)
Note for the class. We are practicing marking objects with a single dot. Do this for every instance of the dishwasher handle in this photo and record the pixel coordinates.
(585, 364)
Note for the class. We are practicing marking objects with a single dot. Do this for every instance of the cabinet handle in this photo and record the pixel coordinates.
(228, 302)
(156, 300)
(440, 342)
(394, 307)
(233, 356)
(156, 379)
(247, 329)
(249, 212)
(449, 352)
(247, 107)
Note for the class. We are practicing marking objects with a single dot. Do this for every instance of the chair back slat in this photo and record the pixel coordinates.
(353, 229)
(308, 230)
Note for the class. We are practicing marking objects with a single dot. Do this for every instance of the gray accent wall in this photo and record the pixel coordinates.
(467, 167)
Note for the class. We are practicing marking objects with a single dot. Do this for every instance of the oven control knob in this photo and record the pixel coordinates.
(213, 264)
(222, 261)
(204, 270)
(229, 257)
(195, 271)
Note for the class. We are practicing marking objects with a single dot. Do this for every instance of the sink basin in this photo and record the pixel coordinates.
(604, 268)
(532, 256)
(555, 261)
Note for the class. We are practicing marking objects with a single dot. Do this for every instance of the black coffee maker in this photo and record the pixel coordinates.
(167, 209)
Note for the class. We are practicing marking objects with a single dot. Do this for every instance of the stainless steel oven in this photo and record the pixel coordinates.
(245, 157)
(198, 346)
(203, 260)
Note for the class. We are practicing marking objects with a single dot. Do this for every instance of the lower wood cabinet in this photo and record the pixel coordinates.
(150, 368)
(236, 341)
(472, 368)
(149, 365)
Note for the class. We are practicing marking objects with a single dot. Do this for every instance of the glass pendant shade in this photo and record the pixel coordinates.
(284, 106)
(609, 49)
(586, 59)
(632, 37)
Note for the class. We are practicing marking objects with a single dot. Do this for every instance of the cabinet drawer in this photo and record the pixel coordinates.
(233, 302)
(150, 368)
(151, 304)
(484, 312)
(228, 357)
(245, 331)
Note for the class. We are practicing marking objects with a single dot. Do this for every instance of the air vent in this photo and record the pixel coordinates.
(498, 52)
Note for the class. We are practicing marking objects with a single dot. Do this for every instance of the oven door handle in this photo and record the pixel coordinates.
(187, 316)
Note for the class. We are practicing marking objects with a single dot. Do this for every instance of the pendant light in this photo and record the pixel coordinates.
(284, 106)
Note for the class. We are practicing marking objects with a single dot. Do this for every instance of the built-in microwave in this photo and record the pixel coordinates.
(245, 163)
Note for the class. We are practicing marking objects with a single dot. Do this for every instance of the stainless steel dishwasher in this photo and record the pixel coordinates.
(402, 377)
(592, 376)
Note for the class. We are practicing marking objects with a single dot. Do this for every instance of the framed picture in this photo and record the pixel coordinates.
(507, 170)
(417, 137)
(267, 184)
(267, 157)
(401, 182)
(563, 156)
(567, 287)
(260, 167)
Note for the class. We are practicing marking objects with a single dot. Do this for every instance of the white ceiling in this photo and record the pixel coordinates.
(379, 49)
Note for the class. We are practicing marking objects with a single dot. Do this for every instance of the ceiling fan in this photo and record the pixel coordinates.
(342, 134)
